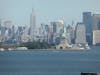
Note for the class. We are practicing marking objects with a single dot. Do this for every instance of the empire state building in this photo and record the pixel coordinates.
(32, 25)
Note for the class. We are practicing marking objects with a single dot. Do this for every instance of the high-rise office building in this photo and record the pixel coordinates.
(25, 36)
(87, 20)
(80, 33)
(70, 34)
(53, 26)
(96, 21)
(96, 29)
(47, 28)
(32, 25)
(42, 33)
(56, 28)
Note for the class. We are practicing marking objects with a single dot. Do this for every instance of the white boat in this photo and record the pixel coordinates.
(81, 46)
(2, 49)
(21, 48)
(87, 46)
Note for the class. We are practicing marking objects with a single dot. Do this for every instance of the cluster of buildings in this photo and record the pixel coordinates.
(92, 25)
(84, 32)
(53, 32)
(10, 33)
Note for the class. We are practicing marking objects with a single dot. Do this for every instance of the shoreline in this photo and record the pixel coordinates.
(48, 50)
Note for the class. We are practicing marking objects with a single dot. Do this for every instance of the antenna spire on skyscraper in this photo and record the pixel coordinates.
(32, 25)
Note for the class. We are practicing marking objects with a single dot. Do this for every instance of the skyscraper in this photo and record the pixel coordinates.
(80, 34)
(32, 25)
(56, 28)
(96, 29)
(96, 21)
(87, 20)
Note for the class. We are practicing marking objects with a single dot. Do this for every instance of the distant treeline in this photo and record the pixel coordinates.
(37, 45)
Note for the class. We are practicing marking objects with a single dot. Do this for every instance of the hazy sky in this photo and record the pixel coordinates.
(46, 10)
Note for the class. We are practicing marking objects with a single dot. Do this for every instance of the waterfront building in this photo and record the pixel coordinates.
(19, 33)
(80, 34)
(2, 36)
(96, 21)
(49, 34)
(53, 26)
(87, 20)
(92, 22)
(7, 30)
(56, 29)
(42, 33)
(15, 33)
(25, 37)
(60, 26)
(96, 29)
(46, 33)
(47, 28)
(96, 37)
(32, 25)
(70, 34)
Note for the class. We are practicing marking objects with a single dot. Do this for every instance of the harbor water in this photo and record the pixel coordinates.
(49, 62)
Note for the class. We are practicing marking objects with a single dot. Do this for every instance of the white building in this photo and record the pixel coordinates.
(96, 37)
(80, 34)
(25, 37)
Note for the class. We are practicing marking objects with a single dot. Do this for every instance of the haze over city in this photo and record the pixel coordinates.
(46, 11)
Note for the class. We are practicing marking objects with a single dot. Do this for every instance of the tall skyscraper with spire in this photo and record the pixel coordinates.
(32, 25)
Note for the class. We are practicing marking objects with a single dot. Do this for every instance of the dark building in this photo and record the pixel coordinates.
(96, 21)
(87, 20)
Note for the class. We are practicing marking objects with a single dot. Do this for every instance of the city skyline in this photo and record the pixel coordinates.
(19, 11)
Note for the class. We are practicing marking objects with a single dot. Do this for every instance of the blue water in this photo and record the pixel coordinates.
(49, 62)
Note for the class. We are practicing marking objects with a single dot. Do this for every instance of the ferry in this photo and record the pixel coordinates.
(21, 48)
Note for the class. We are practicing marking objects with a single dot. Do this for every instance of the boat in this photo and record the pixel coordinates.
(2, 49)
(21, 48)
(87, 46)
(81, 46)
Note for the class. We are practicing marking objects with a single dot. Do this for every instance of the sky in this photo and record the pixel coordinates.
(46, 11)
